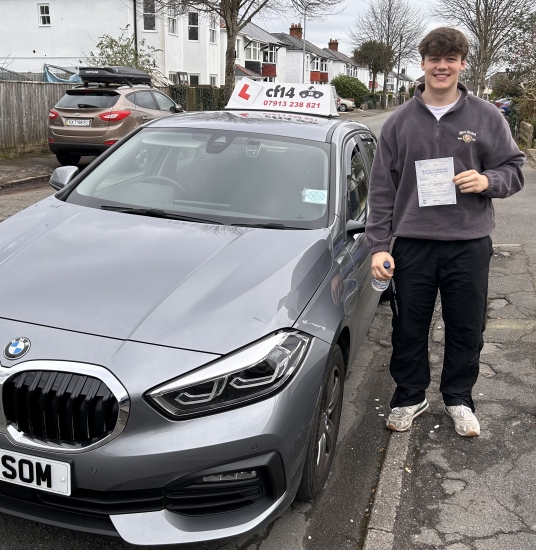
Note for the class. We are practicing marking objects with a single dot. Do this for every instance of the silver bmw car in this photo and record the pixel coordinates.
(177, 322)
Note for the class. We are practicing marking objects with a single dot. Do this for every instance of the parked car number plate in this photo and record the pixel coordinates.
(77, 122)
(31, 471)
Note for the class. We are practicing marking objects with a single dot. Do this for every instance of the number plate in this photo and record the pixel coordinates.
(77, 122)
(40, 473)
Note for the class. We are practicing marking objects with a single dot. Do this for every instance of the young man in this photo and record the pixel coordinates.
(441, 158)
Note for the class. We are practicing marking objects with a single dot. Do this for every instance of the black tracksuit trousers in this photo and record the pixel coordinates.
(459, 269)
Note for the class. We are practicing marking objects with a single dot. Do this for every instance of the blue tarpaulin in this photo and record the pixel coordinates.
(49, 76)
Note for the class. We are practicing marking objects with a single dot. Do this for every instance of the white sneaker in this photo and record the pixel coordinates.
(465, 422)
(401, 418)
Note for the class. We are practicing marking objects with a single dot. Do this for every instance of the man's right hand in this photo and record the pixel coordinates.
(378, 271)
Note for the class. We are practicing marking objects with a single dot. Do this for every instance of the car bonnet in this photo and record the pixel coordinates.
(193, 286)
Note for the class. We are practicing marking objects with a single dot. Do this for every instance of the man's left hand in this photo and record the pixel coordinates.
(471, 182)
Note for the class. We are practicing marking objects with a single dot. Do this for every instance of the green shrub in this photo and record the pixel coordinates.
(178, 94)
(208, 98)
(349, 87)
(371, 104)
(412, 91)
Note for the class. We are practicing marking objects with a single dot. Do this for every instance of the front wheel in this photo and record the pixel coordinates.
(342, 107)
(321, 447)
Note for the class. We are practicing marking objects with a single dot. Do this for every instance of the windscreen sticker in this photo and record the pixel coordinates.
(314, 196)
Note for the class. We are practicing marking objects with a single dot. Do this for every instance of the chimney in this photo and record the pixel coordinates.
(333, 44)
(296, 30)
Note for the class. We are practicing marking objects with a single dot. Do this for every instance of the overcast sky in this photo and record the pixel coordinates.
(338, 25)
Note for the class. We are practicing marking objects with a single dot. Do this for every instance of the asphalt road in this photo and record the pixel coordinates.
(338, 518)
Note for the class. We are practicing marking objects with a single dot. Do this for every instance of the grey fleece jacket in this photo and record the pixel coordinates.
(476, 135)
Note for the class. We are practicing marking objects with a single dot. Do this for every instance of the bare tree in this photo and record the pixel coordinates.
(490, 24)
(397, 24)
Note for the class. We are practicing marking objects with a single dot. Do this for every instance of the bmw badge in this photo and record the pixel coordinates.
(17, 348)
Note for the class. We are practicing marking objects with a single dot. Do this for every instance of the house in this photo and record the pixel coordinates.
(403, 79)
(316, 60)
(343, 64)
(190, 47)
(258, 55)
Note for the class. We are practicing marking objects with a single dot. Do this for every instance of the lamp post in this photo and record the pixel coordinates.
(303, 40)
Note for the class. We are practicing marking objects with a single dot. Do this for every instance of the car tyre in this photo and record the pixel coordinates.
(342, 107)
(323, 439)
(67, 159)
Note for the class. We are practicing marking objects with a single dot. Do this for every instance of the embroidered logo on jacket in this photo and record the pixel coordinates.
(467, 136)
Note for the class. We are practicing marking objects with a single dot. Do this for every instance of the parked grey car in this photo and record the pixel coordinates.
(177, 323)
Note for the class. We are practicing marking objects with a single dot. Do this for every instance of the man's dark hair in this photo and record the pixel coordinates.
(444, 41)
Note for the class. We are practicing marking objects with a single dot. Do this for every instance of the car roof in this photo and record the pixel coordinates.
(301, 126)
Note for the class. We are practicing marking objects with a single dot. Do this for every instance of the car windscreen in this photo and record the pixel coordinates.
(80, 99)
(229, 177)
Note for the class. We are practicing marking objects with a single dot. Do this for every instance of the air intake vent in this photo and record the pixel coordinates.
(60, 407)
(205, 498)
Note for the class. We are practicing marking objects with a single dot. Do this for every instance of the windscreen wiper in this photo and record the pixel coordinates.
(86, 105)
(270, 225)
(156, 213)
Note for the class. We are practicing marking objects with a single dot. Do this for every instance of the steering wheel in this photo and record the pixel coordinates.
(166, 181)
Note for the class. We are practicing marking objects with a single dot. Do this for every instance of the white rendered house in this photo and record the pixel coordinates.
(60, 32)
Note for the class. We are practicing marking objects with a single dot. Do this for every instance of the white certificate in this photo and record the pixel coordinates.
(434, 181)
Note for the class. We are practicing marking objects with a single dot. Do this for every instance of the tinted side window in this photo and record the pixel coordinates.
(369, 143)
(145, 100)
(357, 191)
(164, 103)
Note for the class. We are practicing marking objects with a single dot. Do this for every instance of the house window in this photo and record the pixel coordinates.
(270, 55)
(237, 49)
(212, 30)
(324, 66)
(172, 21)
(149, 15)
(193, 25)
(173, 77)
(194, 80)
(315, 64)
(253, 51)
(213, 80)
(44, 15)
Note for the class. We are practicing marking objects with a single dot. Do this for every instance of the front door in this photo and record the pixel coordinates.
(356, 173)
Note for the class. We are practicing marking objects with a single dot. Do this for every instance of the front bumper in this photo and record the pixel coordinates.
(154, 454)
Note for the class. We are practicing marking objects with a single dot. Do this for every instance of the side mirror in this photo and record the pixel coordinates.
(62, 176)
(353, 227)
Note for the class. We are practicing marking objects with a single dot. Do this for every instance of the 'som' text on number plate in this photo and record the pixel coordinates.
(77, 122)
(40, 473)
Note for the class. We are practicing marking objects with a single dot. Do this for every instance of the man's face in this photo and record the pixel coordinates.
(441, 72)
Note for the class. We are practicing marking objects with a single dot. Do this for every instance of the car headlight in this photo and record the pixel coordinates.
(249, 374)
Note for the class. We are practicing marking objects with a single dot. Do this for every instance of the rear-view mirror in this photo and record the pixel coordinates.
(62, 176)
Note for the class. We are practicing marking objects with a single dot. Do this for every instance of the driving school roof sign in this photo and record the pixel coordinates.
(293, 98)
